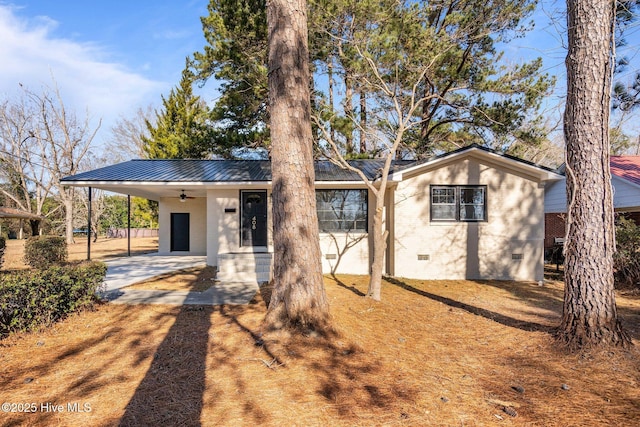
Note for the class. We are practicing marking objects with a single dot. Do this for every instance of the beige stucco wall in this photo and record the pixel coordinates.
(197, 208)
(348, 253)
(345, 253)
(459, 250)
(222, 231)
(224, 227)
(223, 236)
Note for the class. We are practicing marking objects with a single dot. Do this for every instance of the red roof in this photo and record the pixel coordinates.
(626, 167)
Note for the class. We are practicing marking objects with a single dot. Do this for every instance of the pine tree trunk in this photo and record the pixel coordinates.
(348, 112)
(330, 89)
(589, 315)
(298, 300)
(363, 121)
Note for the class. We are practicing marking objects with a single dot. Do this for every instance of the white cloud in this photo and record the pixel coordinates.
(172, 35)
(31, 55)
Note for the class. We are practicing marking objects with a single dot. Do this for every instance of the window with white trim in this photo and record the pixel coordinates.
(467, 203)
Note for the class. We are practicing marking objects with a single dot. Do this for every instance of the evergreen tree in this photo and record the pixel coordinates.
(236, 56)
(299, 300)
(473, 96)
(182, 129)
(626, 95)
(589, 316)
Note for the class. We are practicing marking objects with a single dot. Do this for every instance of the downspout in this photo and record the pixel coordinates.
(390, 225)
(89, 228)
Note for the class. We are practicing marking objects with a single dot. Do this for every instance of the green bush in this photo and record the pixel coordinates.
(3, 245)
(626, 260)
(45, 251)
(33, 298)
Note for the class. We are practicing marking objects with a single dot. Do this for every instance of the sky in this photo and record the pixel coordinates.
(112, 57)
(107, 57)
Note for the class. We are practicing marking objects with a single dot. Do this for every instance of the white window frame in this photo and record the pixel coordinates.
(480, 207)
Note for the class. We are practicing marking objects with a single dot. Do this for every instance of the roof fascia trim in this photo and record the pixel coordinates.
(543, 174)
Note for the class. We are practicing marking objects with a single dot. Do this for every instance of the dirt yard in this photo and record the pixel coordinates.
(442, 353)
(102, 249)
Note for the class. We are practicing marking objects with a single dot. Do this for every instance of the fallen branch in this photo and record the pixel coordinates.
(270, 365)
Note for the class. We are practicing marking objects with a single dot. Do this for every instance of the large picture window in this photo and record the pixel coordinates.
(342, 210)
(458, 203)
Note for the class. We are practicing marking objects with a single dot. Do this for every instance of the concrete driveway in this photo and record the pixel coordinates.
(122, 272)
(125, 271)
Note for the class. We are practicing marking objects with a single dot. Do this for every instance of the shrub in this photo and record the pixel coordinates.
(3, 245)
(626, 260)
(45, 251)
(34, 298)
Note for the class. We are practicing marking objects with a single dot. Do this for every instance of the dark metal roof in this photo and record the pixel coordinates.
(227, 171)
(220, 171)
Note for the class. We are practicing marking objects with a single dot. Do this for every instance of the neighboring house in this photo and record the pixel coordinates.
(625, 178)
(471, 213)
(11, 213)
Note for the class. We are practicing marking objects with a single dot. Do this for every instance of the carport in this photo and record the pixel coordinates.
(125, 271)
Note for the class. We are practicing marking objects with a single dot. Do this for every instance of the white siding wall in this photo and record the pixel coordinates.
(197, 208)
(626, 196)
(470, 250)
(555, 197)
(349, 251)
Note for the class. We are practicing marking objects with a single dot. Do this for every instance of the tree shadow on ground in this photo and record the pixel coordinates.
(546, 297)
(532, 384)
(169, 394)
(75, 363)
(488, 314)
(347, 287)
(347, 378)
(344, 375)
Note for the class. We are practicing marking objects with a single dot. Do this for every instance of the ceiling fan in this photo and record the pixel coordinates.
(184, 197)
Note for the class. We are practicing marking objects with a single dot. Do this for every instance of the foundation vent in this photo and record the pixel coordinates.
(423, 257)
(331, 256)
(517, 257)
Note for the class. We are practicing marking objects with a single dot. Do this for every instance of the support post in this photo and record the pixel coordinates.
(89, 228)
(128, 224)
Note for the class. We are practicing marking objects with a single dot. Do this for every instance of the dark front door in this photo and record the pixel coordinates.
(179, 232)
(253, 231)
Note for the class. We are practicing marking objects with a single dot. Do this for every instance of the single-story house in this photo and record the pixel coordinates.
(625, 179)
(469, 214)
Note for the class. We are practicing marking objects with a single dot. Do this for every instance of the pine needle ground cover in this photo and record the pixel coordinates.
(431, 353)
(195, 279)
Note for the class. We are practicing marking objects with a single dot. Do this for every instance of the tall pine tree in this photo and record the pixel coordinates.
(475, 97)
(182, 129)
(589, 315)
(236, 57)
(299, 300)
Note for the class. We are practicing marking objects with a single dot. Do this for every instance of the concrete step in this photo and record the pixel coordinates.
(244, 267)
